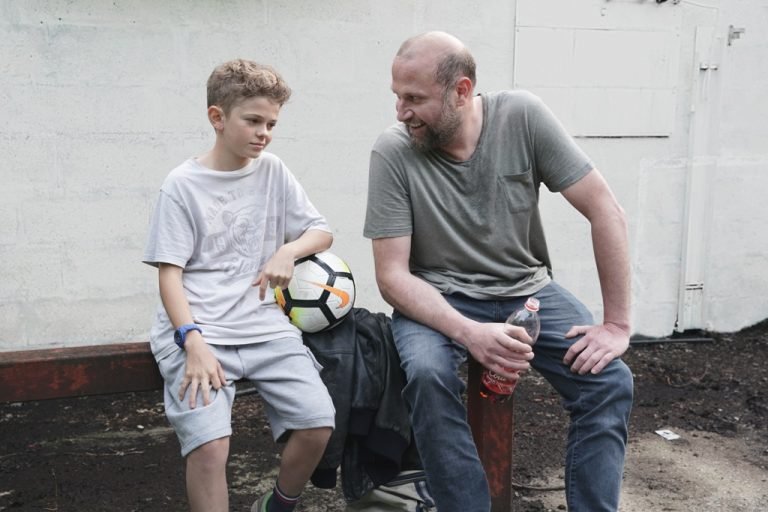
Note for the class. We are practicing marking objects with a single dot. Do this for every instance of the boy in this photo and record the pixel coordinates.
(227, 227)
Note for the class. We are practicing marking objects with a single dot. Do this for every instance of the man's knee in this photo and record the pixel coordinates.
(428, 381)
(622, 383)
(615, 391)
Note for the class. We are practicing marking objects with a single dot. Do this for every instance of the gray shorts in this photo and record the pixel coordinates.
(284, 372)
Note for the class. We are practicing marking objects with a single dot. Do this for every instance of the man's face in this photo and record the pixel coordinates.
(424, 106)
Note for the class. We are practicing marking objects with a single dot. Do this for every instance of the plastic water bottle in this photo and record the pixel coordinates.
(493, 386)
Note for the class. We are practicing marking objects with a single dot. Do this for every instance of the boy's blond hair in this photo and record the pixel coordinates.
(239, 79)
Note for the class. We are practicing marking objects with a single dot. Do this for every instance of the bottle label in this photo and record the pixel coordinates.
(498, 384)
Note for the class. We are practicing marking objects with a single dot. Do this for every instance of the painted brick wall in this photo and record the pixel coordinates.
(99, 100)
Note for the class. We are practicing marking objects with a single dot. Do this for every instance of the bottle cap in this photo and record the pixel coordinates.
(532, 304)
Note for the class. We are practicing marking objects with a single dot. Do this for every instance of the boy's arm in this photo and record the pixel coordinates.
(202, 368)
(279, 269)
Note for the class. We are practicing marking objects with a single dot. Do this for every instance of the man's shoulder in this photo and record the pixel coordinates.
(393, 138)
(514, 99)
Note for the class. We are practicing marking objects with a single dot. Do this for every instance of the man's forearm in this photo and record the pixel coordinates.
(611, 246)
(421, 302)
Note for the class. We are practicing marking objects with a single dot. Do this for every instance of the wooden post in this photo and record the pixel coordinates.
(492, 427)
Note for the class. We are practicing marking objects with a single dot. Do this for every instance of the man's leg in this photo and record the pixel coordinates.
(434, 396)
(599, 407)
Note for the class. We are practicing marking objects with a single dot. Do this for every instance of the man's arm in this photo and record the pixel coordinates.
(601, 344)
(202, 369)
(493, 345)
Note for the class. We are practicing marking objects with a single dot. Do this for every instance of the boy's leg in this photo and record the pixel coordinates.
(300, 457)
(207, 478)
(599, 406)
(297, 405)
(203, 431)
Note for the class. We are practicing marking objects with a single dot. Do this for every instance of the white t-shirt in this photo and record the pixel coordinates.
(222, 228)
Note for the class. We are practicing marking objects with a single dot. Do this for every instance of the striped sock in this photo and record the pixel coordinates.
(280, 502)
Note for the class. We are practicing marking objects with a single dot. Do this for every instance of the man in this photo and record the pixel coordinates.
(458, 245)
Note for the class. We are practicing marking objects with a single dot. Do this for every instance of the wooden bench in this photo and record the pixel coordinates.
(92, 370)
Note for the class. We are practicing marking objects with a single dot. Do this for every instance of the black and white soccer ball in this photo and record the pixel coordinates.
(320, 294)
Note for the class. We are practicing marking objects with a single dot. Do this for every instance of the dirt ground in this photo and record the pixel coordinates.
(116, 452)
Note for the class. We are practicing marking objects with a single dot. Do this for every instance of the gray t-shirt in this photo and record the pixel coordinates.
(475, 226)
(222, 228)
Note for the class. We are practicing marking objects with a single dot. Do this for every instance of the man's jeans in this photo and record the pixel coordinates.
(598, 405)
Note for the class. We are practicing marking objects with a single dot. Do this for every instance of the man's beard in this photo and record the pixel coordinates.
(442, 133)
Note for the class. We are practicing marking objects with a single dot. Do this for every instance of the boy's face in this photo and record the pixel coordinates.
(247, 129)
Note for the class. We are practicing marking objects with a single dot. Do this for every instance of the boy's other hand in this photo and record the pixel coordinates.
(277, 272)
(202, 371)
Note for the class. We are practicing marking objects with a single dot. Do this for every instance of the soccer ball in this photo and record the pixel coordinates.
(320, 294)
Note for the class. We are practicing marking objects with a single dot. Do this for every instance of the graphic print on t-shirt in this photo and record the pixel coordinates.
(241, 237)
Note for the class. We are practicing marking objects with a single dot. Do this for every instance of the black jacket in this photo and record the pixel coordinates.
(372, 438)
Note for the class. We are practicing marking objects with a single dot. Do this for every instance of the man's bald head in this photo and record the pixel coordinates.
(450, 58)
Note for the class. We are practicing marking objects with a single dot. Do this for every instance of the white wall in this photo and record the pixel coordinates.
(99, 100)
(737, 263)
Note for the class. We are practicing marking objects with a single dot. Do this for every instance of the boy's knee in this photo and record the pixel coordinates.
(312, 437)
(211, 455)
(319, 435)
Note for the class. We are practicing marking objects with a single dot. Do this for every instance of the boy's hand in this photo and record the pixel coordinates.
(202, 370)
(277, 272)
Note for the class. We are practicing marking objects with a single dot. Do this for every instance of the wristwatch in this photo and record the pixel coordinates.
(180, 334)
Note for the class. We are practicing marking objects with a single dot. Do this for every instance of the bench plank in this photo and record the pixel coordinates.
(92, 370)
(77, 371)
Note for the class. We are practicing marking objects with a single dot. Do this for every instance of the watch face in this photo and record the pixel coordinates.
(180, 334)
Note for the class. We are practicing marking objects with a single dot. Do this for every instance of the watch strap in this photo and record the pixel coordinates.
(180, 335)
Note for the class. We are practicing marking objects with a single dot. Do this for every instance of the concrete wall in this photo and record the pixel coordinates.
(99, 100)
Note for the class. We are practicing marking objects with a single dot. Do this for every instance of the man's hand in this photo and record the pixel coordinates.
(501, 348)
(202, 371)
(600, 345)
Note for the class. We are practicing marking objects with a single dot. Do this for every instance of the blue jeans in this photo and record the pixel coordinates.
(599, 405)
